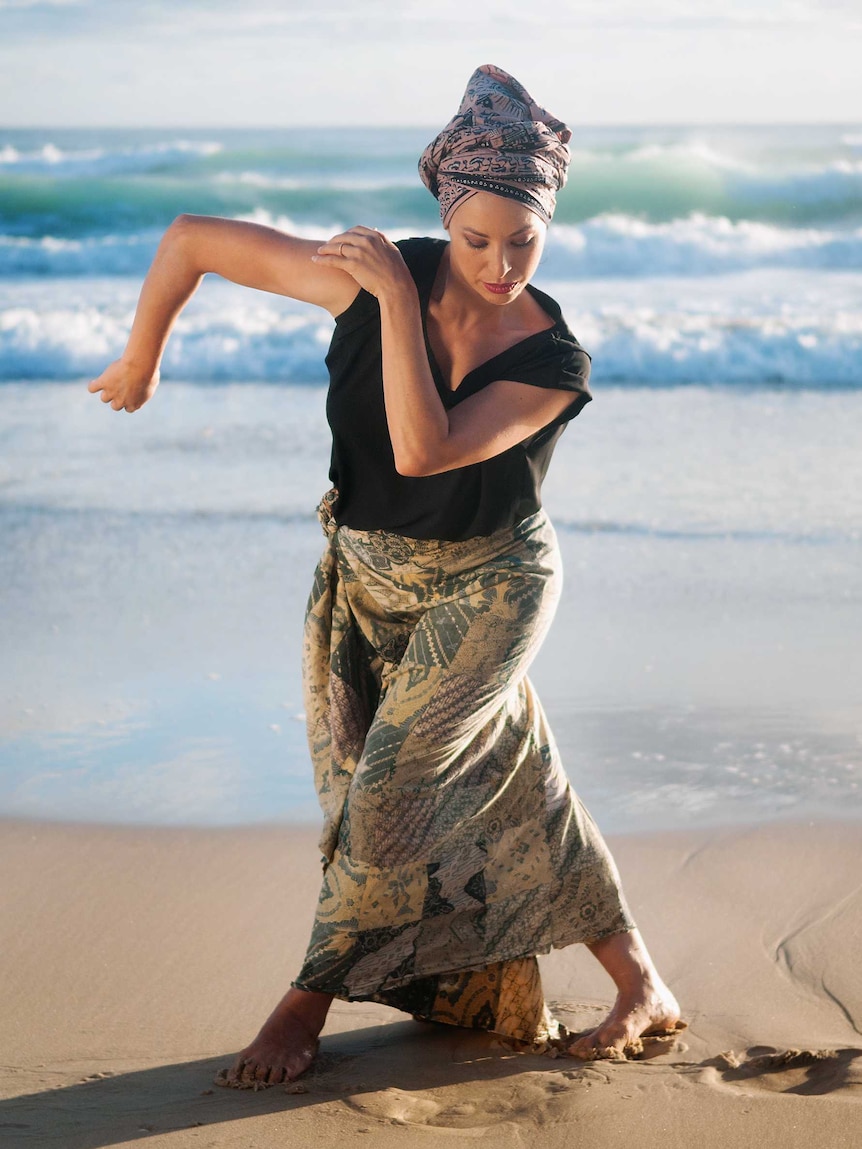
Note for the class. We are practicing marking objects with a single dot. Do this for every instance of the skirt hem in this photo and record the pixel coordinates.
(368, 993)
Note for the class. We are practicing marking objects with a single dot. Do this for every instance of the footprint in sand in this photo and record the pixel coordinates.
(807, 1072)
(395, 1105)
(493, 1103)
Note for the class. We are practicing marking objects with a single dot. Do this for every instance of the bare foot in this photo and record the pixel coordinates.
(286, 1045)
(647, 1009)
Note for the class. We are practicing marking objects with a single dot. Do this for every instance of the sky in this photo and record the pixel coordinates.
(399, 62)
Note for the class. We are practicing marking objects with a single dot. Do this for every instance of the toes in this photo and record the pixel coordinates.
(607, 1043)
(584, 1047)
(598, 1050)
(248, 1077)
(602, 1043)
(251, 1072)
(234, 1074)
(231, 1078)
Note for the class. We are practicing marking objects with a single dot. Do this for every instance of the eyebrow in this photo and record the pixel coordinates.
(481, 234)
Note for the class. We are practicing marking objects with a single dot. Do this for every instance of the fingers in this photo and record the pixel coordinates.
(110, 396)
(361, 229)
(332, 251)
(117, 402)
(113, 392)
(106, 390)
(350, 244)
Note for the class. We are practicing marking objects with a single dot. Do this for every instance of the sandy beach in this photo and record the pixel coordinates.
(136, 961)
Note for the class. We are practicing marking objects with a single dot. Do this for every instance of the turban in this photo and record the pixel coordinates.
(499, 141)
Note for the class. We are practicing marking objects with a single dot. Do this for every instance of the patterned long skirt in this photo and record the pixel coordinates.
(455, 849)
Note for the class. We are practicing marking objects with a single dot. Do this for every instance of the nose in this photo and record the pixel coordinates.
(501, 264)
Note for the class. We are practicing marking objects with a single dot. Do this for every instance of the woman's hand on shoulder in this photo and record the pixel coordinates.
(124, 386)
(372, 260)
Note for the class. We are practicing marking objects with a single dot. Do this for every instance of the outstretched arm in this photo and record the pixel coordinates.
(245, 253)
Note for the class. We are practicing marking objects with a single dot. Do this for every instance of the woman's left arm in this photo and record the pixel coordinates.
(426, 438)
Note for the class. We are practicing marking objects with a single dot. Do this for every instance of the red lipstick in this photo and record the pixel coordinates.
(501, 288)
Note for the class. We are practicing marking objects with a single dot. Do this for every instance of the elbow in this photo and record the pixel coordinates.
(180, 230)
(183, 223)
(413, 464)
(182, 245)
(181, 233)
(422, 448)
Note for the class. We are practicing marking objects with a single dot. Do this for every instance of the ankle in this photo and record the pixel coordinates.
(627, 962)
(308, 1006)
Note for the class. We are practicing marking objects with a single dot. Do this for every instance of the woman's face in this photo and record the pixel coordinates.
(496, 245)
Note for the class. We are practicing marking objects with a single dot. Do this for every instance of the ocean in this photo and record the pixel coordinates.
(705, 664)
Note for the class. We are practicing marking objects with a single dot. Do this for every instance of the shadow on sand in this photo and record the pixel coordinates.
(130, 1106)
(399, 1073)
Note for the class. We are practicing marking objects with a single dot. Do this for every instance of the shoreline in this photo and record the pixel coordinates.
(819, 818)
(137, 960)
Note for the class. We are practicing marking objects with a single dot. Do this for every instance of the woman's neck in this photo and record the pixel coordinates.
(459, 307)
(455, 306)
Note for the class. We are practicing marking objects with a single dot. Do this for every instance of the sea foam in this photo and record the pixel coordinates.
(692, 331)
(625, 245)
(62, 163)
(610, 244)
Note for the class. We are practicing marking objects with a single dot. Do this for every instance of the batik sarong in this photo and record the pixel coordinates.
(454, 848)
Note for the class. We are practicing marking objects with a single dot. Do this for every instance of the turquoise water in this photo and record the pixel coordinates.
(676, 210)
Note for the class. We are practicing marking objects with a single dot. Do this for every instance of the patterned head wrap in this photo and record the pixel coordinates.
(499, 141)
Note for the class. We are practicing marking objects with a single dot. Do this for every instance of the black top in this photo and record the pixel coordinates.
(466, 501)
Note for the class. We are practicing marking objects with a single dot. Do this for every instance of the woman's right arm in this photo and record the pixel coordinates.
(245, 253)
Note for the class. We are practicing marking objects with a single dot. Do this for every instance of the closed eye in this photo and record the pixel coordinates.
(479, 246)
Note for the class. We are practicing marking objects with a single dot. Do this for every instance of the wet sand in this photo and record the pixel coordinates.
(136, 961)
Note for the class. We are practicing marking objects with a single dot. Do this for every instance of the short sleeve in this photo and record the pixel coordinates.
(561, 364)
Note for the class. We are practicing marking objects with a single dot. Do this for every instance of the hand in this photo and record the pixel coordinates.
(125, 387)
(369, 257)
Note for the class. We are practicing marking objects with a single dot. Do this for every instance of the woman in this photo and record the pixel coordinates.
(454, 848)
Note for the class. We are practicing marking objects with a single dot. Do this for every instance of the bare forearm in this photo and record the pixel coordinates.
(417, 420)
(170, 283)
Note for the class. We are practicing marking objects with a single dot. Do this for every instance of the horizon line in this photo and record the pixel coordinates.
(195, 127)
